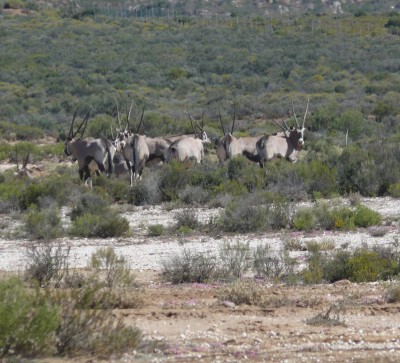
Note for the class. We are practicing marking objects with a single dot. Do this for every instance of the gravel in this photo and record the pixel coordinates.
(148, 253)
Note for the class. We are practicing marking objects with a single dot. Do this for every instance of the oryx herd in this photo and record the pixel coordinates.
(129, 151)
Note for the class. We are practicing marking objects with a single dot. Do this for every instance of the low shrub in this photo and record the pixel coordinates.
(392, 293)
(92, 331)
(194, 195)
(338, 268)
(187, 218)
(111, 269)
(365, 217)
(314, 272)
(305, 220)
(108, 224)
(268, 264)
(323, 216)
(235, 260)
(43, 224)
(184, 230)
(189, 267)
(28, 321)
(243, 292)
(88, 203)
(155, 230)
(367, 266)
(241, 217)
(394, 190)
(47, 264)
(361, 265)
(31, 194)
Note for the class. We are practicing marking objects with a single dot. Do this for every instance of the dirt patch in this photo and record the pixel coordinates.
(333, 323)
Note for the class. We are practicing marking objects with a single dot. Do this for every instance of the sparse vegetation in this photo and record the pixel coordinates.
(189, 267)
(170, 60)
(111, 269)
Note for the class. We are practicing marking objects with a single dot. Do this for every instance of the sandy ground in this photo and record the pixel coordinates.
(188, 323)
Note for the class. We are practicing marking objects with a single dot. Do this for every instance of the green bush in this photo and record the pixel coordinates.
(28, 321)
(174, 177)
(10, 193)
(343, 218)
(338, 267)
(305, 219)
(314, 273)
(108, 224)
(362, 265)
(88, 203)
(155, 230)
(238, 216)
(366, 266)
(365, 217)
(43, 224)
(394, 190)
(318, 177)
(31, 194)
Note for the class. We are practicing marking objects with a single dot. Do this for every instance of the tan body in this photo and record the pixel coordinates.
(136, 153)
(230, 146)
(85, 151)
(186, 149)
(279, 146)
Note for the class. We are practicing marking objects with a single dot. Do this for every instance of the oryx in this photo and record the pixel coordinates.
(100, 151)
(185, 149)
(132, 146)
(286, 144)
(228, 145)
(120, 167)
(159, 146)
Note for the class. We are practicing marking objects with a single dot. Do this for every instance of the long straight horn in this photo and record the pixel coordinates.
(304, 119)
(286, 125)
(118, 117)
(234, 119)
(220, 120)
(294, 114)
(112, 133)
(128, 117)
(79, 128)
(284, 129)
(141, 120)
(85, 121)
(71, 129)
(192, 120)
(202, 121)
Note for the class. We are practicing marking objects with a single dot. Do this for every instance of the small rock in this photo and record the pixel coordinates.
(229, 304)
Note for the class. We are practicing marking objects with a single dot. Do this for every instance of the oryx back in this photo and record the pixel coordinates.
(186, 149)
